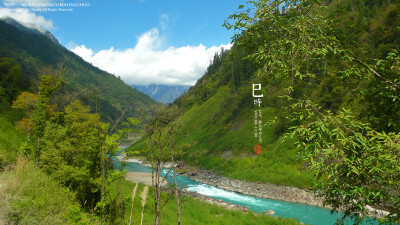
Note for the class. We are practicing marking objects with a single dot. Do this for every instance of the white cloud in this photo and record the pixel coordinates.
(144, 64)
(25, 16)
(83, 52)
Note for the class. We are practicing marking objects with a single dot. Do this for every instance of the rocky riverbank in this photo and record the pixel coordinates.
(257, 189)
(262, 190)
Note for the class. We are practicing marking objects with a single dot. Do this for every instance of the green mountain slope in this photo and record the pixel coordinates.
(217, 129)
(37, 54)
(217, 114)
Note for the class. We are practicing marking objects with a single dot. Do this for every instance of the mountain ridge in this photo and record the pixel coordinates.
(30, 28)
(37, 53)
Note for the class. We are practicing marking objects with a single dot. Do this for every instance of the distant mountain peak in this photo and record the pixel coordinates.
(30, 28)
(154, 91)
(162, 93)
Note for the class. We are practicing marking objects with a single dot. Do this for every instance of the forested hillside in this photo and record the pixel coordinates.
(36, 54)
(57, 117)
(329, 75)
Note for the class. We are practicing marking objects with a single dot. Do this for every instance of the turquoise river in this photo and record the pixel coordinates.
(305, 213)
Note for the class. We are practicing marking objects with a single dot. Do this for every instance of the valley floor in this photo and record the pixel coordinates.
(257, 189)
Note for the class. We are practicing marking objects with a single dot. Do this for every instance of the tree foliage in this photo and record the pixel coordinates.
(357, 166)
(72, 151)
(298, 43)
(47, 87)
(10, 75)
(73, 145)
(26, 101)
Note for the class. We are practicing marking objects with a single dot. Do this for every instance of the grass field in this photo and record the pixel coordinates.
(29, 196)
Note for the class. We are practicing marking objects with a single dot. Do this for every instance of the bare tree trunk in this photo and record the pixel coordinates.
(157, 219)
(103, 177)
(159, 145)
(157, 199)
(178, 206)
(103, 171)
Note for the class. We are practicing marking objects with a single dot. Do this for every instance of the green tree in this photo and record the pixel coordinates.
(72, 151)
(161, 130)
(10, 75)
(47, 87)
(77, 151)
(295, 42)
(27, 102)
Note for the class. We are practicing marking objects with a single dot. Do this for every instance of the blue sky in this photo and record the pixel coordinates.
(119, 23)
(143, 41)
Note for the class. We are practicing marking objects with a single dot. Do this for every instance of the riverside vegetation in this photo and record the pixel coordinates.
(329, 72)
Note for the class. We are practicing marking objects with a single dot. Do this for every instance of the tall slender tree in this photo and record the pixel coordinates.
(160, 131)
(48, 85)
